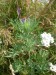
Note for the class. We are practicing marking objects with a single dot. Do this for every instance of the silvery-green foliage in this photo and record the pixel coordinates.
(24, 52)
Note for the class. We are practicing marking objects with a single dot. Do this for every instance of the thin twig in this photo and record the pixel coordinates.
(11, 68)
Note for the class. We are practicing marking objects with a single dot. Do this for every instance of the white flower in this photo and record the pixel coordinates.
(33, 1)
(44, 1)
(46, 39)
(52, 67)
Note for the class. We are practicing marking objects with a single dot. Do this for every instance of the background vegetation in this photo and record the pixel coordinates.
(21, 23)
